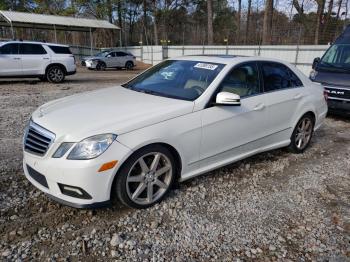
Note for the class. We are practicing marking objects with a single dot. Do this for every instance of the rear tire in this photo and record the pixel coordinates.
(55, 74)
(302, 134)
(146, 177)
(129, 65)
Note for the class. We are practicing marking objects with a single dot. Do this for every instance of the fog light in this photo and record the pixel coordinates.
(73, 191)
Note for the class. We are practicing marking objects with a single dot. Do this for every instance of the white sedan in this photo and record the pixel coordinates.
(179, 119)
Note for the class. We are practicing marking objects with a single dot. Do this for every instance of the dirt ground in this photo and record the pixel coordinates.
(273, 206)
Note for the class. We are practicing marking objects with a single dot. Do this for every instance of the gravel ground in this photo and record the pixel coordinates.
(273, 206)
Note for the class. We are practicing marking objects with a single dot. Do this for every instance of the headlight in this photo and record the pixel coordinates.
(91, 147)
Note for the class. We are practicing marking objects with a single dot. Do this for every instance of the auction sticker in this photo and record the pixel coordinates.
(206, 66)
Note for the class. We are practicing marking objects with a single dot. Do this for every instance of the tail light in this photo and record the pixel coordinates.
(325, 94)
(73, 58)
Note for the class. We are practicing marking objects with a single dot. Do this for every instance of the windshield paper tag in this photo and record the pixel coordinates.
(206, 66)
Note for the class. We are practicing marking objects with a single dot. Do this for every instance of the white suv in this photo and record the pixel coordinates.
(46, 61)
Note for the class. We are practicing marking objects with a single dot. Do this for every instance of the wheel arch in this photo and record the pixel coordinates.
(56, 64)
(130, 61)
(175, 153)
(307, 112)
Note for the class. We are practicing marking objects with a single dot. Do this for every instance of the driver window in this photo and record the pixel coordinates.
(243, 80)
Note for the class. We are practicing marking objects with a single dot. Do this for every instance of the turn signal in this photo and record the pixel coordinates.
(108, 165)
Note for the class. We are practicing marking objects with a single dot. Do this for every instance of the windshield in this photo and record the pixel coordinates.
(103, 54)
(336, 58)
(179, 79)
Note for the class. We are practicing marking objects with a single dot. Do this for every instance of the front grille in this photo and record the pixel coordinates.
(37, 139)
(338, 93)
(37, 177)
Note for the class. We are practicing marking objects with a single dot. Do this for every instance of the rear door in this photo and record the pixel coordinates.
(122, 58)
(34, 58)
(10, 61)
(284, 91)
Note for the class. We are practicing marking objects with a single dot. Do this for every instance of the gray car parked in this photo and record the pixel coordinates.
(110, 59)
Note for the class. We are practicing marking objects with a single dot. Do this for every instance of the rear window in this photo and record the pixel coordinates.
(60, 49)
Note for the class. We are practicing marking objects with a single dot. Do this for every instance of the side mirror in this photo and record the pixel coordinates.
(228, 99)
(109, 56)
(315, 62)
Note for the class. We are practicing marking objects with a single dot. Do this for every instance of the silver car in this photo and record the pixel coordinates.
(110, 59)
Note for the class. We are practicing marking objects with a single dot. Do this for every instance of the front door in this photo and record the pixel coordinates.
(229, 132)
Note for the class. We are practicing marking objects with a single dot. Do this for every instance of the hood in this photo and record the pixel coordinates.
(113, 110)
(333, 78)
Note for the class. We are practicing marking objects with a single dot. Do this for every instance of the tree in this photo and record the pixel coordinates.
(155, 26)
(210, 22)
(239, 13)
(320, 9)
(267, 26)
(248, 20)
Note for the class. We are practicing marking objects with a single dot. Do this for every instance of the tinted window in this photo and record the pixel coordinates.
(60, 49)
(9, 49)
(277, 76)
(111, 54)
(242, 80)
(121, 54)
(31, 49)
(294, 80)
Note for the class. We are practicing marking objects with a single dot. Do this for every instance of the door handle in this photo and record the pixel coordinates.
(298, 96)
(258, 107)
(46, 58)
(17, 58)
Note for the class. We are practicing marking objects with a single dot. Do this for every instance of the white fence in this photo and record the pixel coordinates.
(302, 56)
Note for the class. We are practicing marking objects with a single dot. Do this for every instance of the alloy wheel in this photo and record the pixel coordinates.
(303, 133)
(149, 178)
(55, 74)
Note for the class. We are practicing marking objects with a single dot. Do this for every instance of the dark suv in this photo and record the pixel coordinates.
(333, 72)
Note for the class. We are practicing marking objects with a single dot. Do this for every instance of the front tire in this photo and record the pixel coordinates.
(146, 177)
(101, 66)
(55, 74)
(302, 134)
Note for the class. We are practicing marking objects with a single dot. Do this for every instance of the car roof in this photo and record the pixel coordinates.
(226, 59)
(32, 42)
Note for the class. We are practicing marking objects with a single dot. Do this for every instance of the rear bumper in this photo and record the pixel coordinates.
(71, 73)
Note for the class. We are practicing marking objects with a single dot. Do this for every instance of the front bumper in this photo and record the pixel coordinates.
(90, 64)
(81, 174)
